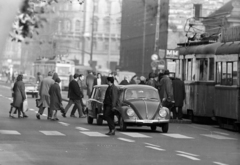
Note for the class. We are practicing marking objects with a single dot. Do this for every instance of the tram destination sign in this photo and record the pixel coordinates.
(231, 34)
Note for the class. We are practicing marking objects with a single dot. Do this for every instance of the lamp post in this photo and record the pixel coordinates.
(109, 39)
(144, 38)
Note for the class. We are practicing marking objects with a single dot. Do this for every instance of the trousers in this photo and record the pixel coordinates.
(109, 116)
(76, 103)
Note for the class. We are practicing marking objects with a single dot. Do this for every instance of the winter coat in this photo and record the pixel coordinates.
(89, 82)
(55, 97)
(74, 92)
(44, 91)
(166, 88)
(18, 94)
(178, 92)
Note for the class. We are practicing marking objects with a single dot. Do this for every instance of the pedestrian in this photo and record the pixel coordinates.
(19, 96)
(166, 90)
(44, 96)
(99, 80)
(75, 96)
(110, 103)
(55, 99)
(124, 81)
(81, 85)
(152, 81)
(142, 80)
(89, 82)
(134, 80)
(179, 97)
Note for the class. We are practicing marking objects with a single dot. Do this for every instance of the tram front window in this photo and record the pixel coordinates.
(63, 70)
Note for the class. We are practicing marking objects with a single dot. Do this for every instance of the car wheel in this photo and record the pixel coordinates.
(89, 119)
(165, 128)
(123, 126)
(153, 127)
(99, 120)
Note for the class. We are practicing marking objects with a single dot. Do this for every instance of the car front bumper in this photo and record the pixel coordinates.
(146, 122)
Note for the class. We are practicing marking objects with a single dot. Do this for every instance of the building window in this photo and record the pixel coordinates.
(108, 9)
(197, 11)
(96, 6)
(78, 26)
(106, 25)
(106, 45)
(94, 44)
(95, 24)
(67, 25)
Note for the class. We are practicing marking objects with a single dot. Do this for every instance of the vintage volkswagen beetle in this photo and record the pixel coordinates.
(139, 105)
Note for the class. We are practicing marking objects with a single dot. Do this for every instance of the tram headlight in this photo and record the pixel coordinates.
(130, 112)
(163, 112)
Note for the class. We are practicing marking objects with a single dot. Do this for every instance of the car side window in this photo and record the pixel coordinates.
(120, 95)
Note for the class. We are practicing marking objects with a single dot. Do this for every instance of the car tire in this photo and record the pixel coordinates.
(165, 127)
(153, 127)
(89, 120)
(122, 124)
(99, 120)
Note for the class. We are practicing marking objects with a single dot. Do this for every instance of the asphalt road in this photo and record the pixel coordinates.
(72, 141)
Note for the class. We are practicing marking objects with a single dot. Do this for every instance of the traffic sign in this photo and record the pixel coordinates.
(154, 57)
(154, 64)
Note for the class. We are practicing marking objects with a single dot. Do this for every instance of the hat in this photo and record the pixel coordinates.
(58, 80)
(166, 72)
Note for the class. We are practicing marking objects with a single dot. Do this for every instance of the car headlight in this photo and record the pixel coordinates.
(163, 112)
(130, 112)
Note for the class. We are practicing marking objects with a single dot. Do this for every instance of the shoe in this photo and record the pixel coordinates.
(11, 116)
(73, 116)
(49, 118)
(38, 116)
(64, 115)
(25, 116)
(112, 132)
(83, 116)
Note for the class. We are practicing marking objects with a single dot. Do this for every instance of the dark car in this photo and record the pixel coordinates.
(138, 105)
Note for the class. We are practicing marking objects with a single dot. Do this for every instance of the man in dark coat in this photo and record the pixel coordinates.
(179, 97)
(89, 82)
(166, 90)
(110, 103)
(55, 98)
(124, 81)
(75, 95)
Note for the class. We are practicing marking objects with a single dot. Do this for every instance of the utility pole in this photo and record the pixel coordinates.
(144, 38)
(109, 39)
(83, 32)
(92, 34)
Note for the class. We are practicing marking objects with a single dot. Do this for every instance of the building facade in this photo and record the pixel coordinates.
(80, 32)
(149, 26)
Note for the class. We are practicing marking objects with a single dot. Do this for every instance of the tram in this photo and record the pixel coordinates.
(212, 82)
(64, 68)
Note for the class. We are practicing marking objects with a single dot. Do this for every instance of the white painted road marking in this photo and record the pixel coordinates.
(82, 129)
(9, 132)
(44, 114)
(182, 152)
(152, 145)
(189, 157)
(199, 128)
(219, 163)
(31, 109)
(52, 133)
(136, 135)
(127, 140)
(178, 136)
(65, 124)
(219, 137)
(94, 134)
(155, 148)
(221, 133)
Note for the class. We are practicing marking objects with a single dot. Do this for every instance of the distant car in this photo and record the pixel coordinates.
(31, 87)
(138, 105)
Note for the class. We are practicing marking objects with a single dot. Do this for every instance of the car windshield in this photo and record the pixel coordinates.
(139, 93)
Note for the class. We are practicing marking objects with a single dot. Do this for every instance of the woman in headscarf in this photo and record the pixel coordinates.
(18, 96)
(55, 98)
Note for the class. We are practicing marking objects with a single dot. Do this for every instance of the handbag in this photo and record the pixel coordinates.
(168, 103)
(25, 105)
(38, 103)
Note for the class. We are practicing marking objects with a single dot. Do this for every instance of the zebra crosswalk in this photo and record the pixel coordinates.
(120, 135)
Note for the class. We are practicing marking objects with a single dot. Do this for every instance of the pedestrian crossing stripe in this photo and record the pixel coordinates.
(178, 136)
(152, 145)
(155, 148)
(52, 133)
(127, 140)
(94, 134)
(65, 124)
(219, 163)
(219, 137)
(9, 132)
(222, 133)
(188, 156)
(82, 129)
(136, 135)
(186, 153)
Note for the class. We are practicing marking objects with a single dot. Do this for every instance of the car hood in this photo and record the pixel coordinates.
(145, 109)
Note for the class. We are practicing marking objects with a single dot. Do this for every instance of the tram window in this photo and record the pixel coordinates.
(229, 73)
(189, 69)
(203, 69)
(234, 74)
(219, 72)
(224, 73)
(211, 69)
